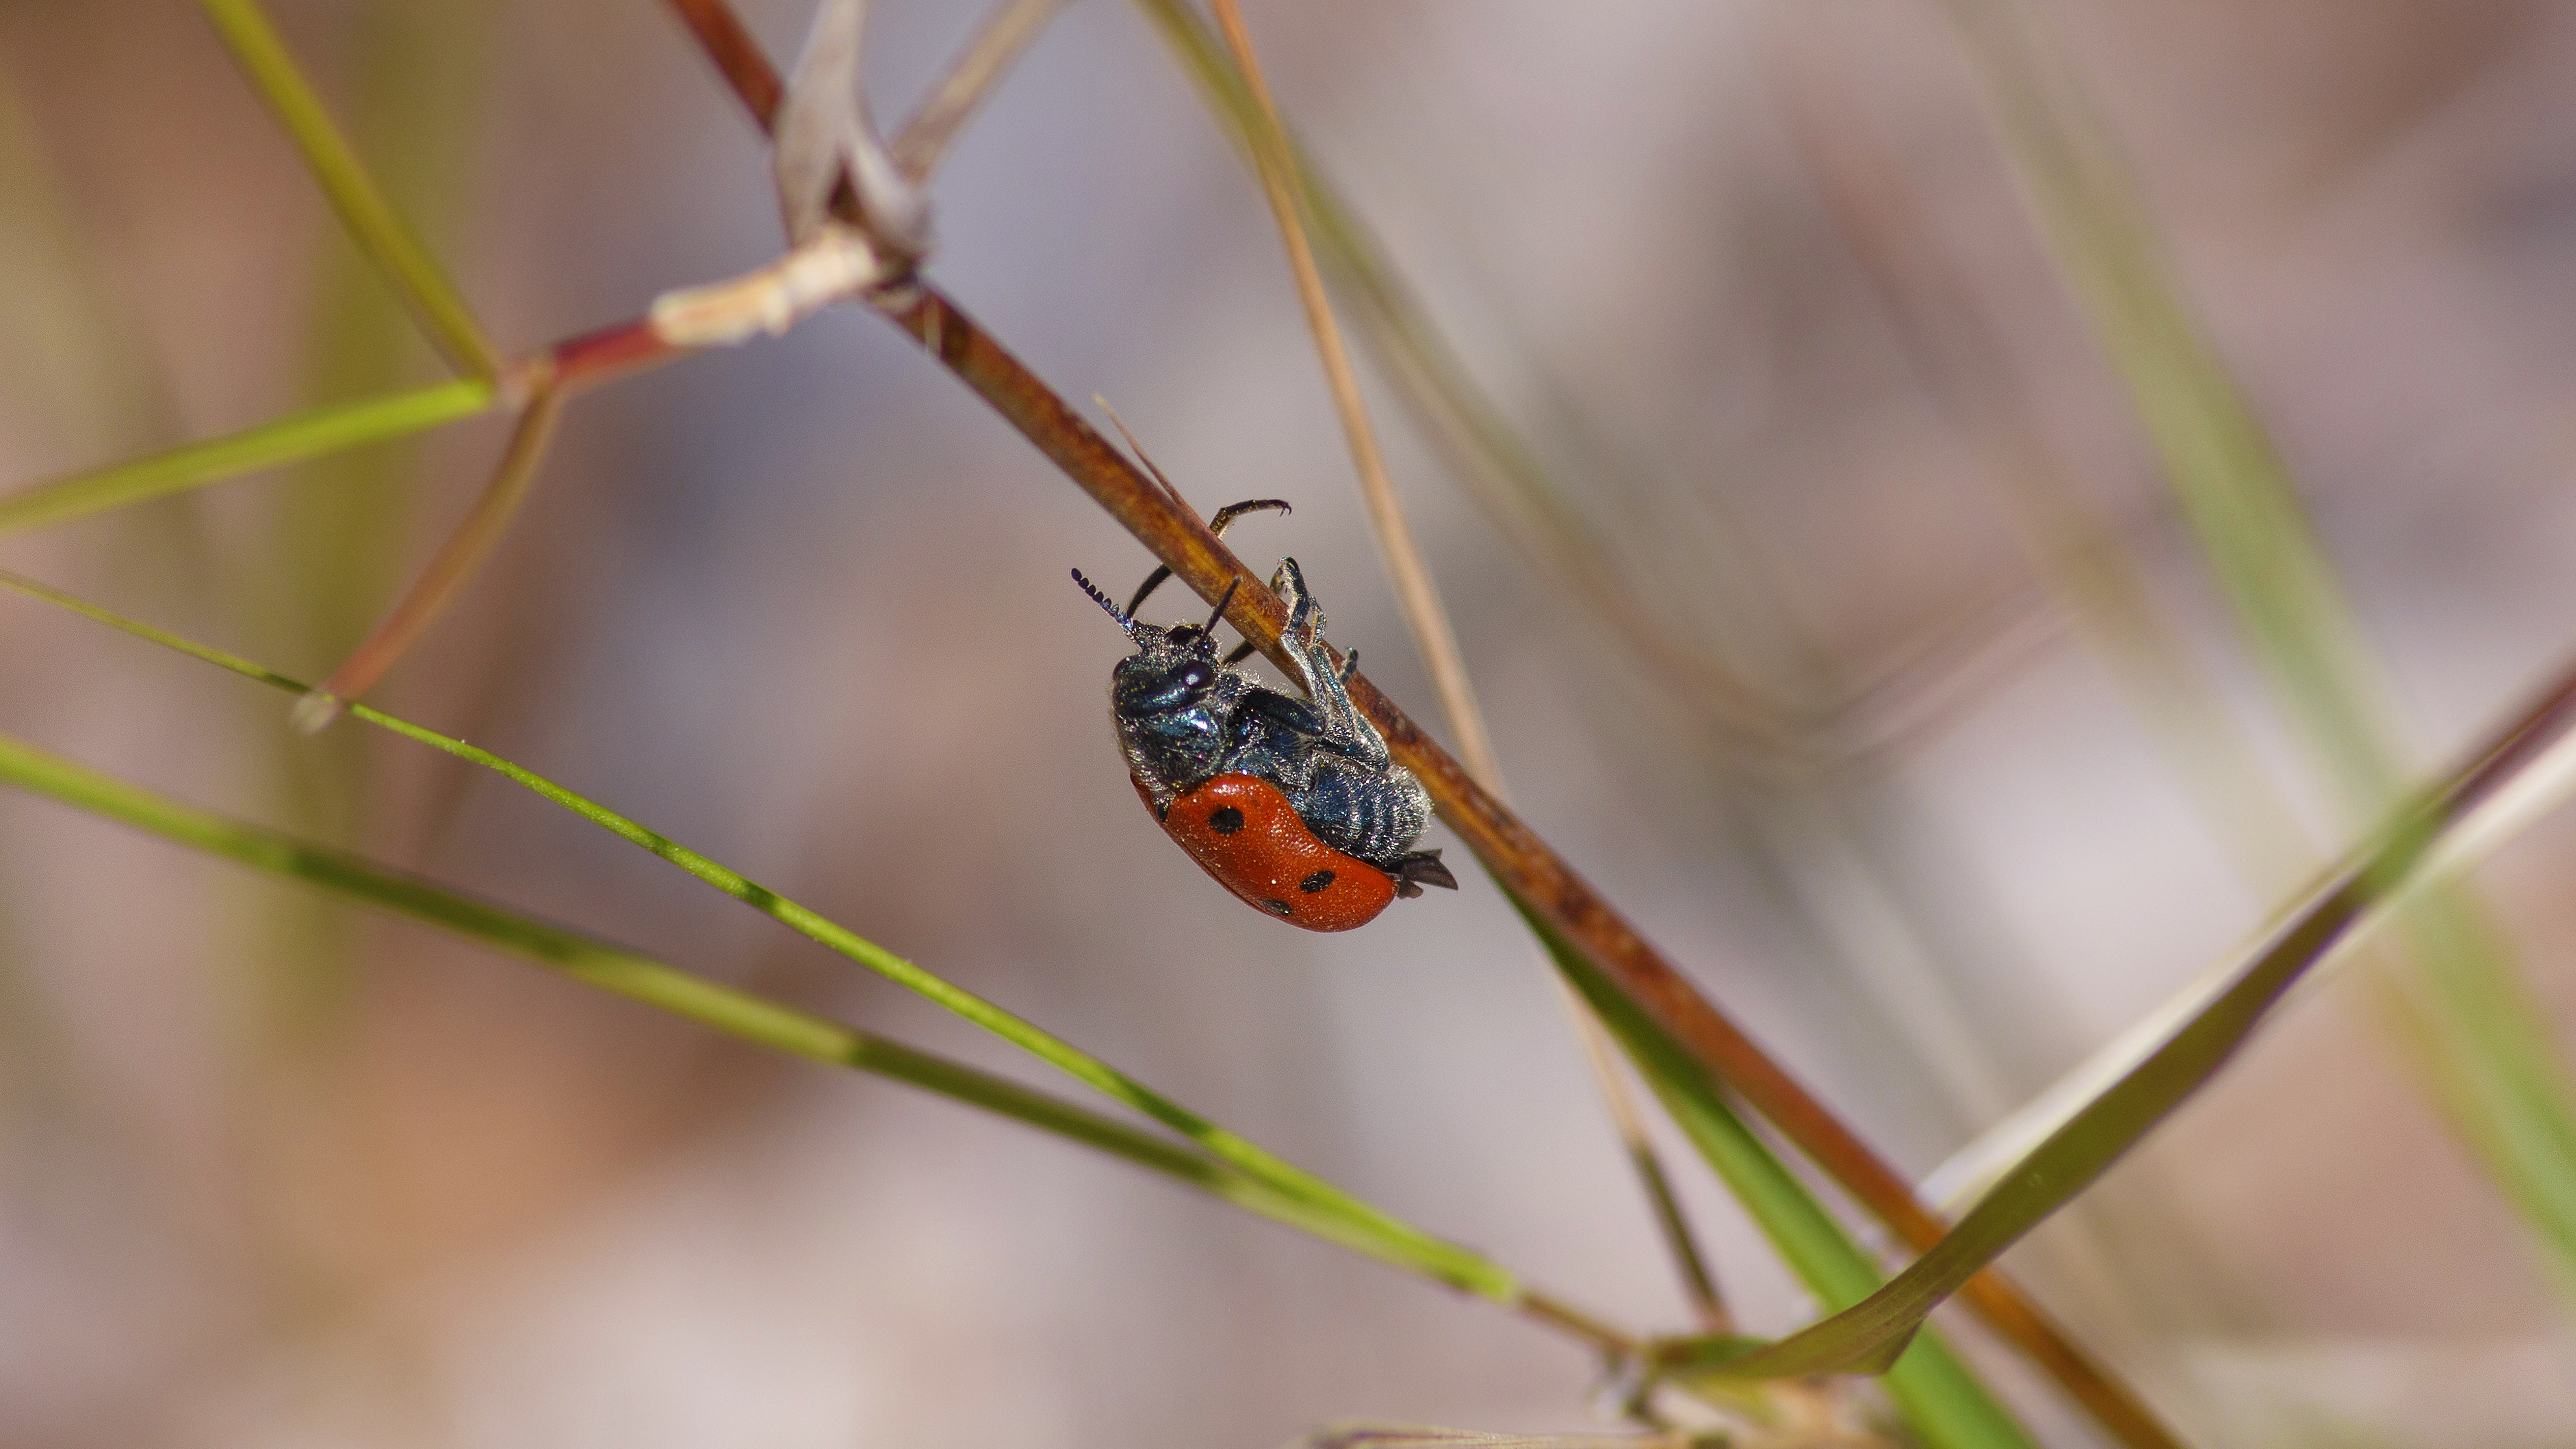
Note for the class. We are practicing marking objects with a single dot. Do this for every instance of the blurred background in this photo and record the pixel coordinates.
(1896, 702)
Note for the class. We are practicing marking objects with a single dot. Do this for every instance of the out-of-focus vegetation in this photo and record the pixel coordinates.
(1812, 554)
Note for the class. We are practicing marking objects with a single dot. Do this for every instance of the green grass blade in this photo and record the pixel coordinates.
(1329, 1211)
(2477, 1023)
(640, 978)
(2229, 478)
(370, 218)
(1943, 1401)
(287, 440)
(2528, 770)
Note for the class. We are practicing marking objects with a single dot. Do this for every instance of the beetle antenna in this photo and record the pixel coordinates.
(1125, 622)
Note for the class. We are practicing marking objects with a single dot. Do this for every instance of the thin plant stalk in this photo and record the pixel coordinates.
(1434, 636)
(455, 562)
(925, 138)
(641, 978)
(2473, 1018)
(1180, 541)
(575, 363)
(1464, 419)
(370, 218)
(292, 439)
(544, 385)
(1448, 1262)
(567, 366)
(2547, 777)
(2520, 772)
(1628, 1120)
(1429, 618)
(1468, 428)
(1939, 1396)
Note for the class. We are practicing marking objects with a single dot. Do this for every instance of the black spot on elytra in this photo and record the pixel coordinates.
(1225, 820)
(1315, 882)
(1281, 907)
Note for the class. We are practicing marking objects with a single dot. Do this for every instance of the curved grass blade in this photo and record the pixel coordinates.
(290, 439)
(2495, 1069)
(370, 218)
(448, 569)
(1352, 1221)
(640, 978)
(1939, 1397)
(2546, 777)
(2529, 767)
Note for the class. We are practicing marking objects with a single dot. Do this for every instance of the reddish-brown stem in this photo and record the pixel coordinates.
(737, 56)
(608, 352)
(1519, 858)
(539, 382)
(453, 564)
(1522, 861)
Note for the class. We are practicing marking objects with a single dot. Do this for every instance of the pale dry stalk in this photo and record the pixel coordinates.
(1433, 635)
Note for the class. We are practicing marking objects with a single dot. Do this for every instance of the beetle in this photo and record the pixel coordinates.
(1294, 805)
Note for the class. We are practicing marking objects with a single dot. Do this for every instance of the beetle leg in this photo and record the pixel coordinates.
(1305, 615)
(1216, 525)
(1345, 731)
(1303, 636)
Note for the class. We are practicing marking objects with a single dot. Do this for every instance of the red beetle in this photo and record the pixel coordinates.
(1293, 804)
(1241, 829)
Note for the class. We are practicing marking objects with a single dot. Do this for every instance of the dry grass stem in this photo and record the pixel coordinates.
(1413, 587)
(834, 264)
(1438, 641)
(926, 136)
(454, 563)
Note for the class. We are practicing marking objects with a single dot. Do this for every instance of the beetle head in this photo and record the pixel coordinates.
(1172, 697)
(1174, 668)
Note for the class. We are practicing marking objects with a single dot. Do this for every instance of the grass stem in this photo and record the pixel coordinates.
(640, 978)
(292, 439)
(1524, 863)
(372, 221)
(1358, 1222)
(926, 136)
(1437, 640)
(455, 562)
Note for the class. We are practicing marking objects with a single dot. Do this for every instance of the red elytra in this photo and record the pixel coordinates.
(1242, 830)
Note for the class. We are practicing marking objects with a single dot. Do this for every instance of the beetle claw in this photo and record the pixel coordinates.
(1305, 616)
(1417, 869)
